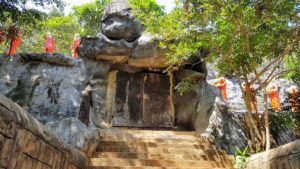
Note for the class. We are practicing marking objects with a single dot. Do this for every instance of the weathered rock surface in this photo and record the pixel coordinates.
(195, 106)
(147, 53)
(237, 110)
(118, 22)
(52, 58)
(283, 157)
(70, 130)
(25, 143)
(52, 94)
(121, 40)
(225, 128)
(234, 94)
(103, 48)
(48, 92)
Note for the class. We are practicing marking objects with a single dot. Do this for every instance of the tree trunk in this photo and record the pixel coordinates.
(267, 124)
(266, 112)
(254, 131)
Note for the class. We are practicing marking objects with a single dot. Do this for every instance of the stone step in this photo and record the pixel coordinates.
(153, 132)
(147, 134)
(170, 140)
(132, 167)
(156, 144)
(120, 135)
(189, 156)
(117, 162)
(160, 149)
(157, 150)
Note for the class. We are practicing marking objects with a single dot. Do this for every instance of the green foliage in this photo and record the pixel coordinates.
(283, 120)
(185, 85)
(16, 10)
(55, 12)
(241, 157)
(28, 20)
(292, 63)
(63, 29)
(148, 12)
(85, 19)
(243, 36)
(89, 16)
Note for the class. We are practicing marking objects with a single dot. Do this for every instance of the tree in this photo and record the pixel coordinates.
(63, 29)
(148, 12)
(247, 38)
(292, 63)
(18, 12)
(89, 16)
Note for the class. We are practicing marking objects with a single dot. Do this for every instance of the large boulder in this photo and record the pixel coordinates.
(226, 128)
(46, 91)
(51, 58)
(194, 107)
(147, 53)
(102, 48)
(70, 130)
(119, 23)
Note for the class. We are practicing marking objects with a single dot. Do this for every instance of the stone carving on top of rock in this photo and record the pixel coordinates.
(118, 35)
(118, 22)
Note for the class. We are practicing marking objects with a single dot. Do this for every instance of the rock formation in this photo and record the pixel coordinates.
(49, 92)
(118, 22)
(118, 81)
(136, 72)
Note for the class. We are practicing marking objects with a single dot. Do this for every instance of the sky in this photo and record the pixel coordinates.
(169, 4)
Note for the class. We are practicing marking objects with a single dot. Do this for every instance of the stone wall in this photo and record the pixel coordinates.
(283, 157)
(26, 144)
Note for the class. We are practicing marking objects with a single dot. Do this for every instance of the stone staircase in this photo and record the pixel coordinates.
(147, 149)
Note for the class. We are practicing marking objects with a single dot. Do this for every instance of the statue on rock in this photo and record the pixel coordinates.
(272, 90)
(49, 43)
(76, 42)
(221, 84)
(15, 39)
(293, 94)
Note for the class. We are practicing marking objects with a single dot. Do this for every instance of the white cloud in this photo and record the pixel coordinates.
(169, 4)
(70, 3)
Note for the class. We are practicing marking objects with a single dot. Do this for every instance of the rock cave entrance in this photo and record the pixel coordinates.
(140, 100)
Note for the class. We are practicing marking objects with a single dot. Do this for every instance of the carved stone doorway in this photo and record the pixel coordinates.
(140, 100)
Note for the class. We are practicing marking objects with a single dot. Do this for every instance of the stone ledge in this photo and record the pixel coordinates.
(283, 157)
(51, 58)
